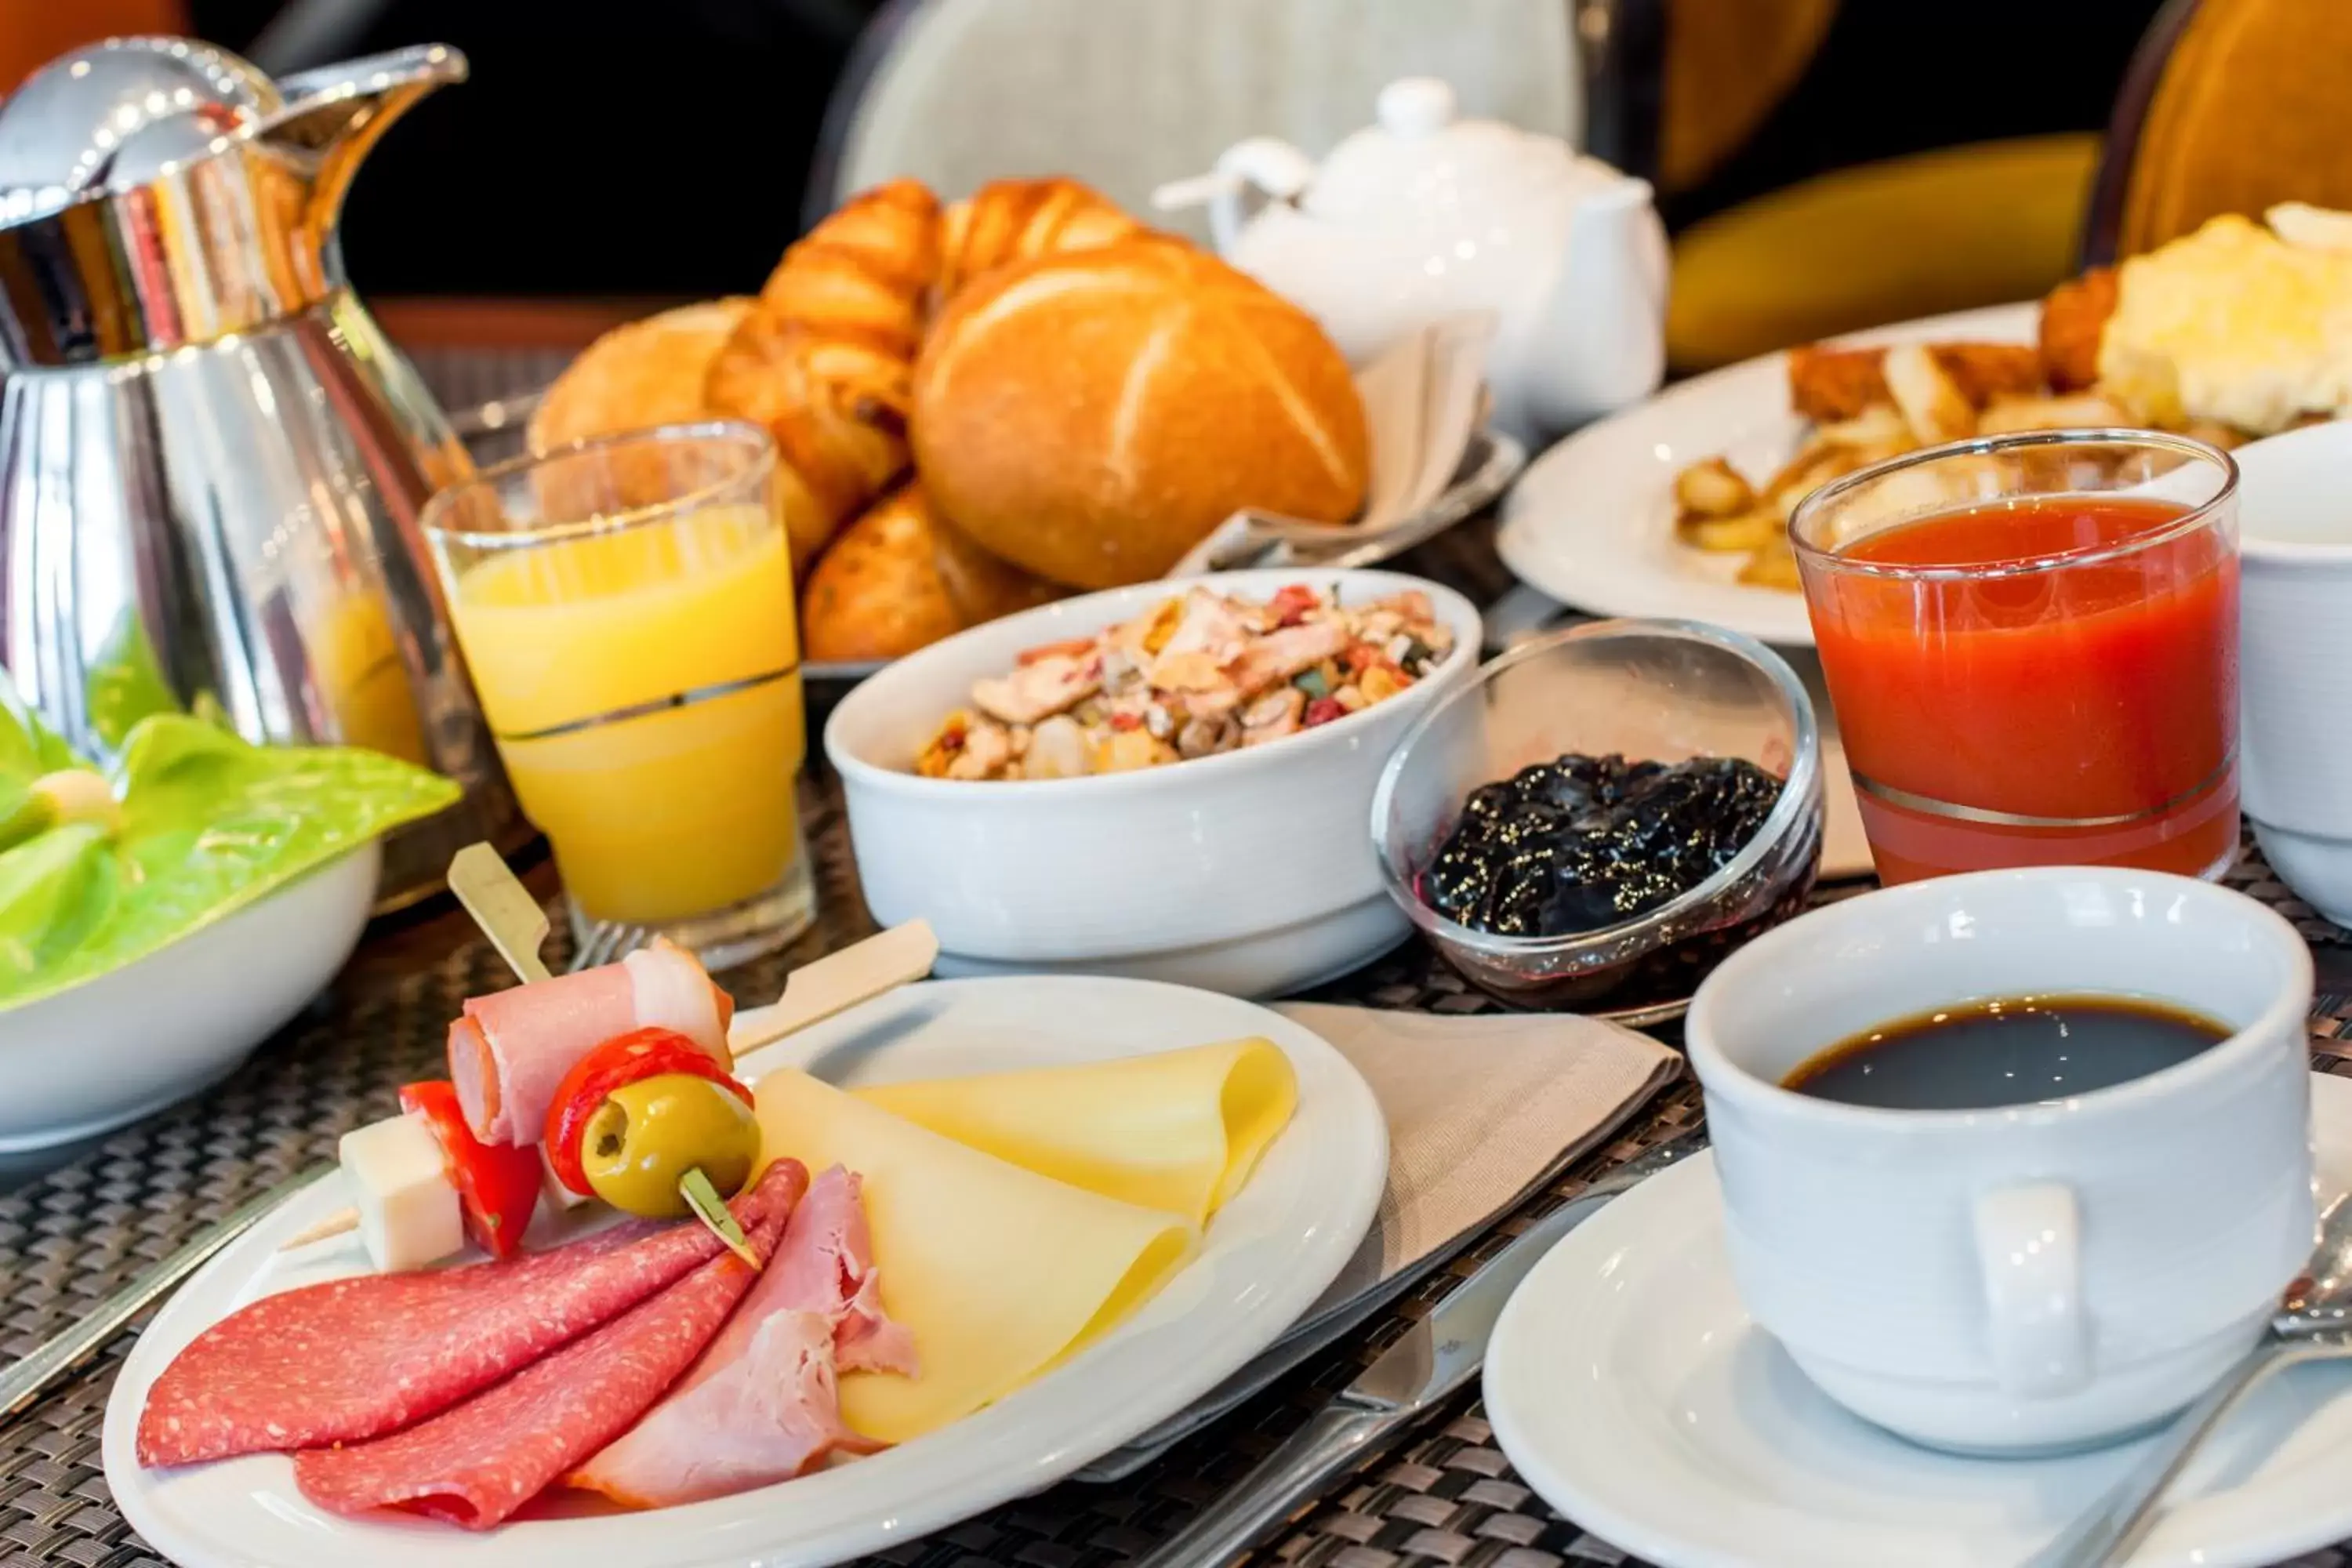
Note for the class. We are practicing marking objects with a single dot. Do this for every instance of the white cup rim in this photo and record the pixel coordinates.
(1723, 1078)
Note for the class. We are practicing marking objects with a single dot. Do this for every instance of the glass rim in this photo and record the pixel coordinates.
(1800, 790)
(2190, 522)
(740, 433)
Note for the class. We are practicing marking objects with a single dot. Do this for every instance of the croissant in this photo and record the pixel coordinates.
(1014, 220)
(824, 357)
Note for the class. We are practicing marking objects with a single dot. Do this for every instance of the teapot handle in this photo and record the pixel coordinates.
(1274, 167)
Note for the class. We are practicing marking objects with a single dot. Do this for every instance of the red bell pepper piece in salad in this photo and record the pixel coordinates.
(497, 1184)
(623, 1059)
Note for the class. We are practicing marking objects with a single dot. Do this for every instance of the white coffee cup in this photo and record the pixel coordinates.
(2296, 659)
(2034, 1278)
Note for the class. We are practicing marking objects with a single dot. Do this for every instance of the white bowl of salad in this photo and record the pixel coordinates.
(1170, 780)
(164, 912)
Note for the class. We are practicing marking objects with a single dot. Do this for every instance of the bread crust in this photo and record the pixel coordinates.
(900, 578)
(1090, 415)
(638, 375)
(822, 359)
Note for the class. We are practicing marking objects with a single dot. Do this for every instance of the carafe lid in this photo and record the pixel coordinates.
(118, 115)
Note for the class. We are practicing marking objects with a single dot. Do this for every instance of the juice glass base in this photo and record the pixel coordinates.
(741, 931)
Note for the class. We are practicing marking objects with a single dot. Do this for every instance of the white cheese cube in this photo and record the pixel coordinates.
(561, 1199)
(408, 1211)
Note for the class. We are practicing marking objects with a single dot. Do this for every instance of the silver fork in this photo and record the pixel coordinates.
(608, 942)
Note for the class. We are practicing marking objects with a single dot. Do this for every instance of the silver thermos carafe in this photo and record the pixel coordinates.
(211, 458)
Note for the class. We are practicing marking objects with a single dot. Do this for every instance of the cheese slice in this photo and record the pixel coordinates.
(1179, 1130)
(997, 1271)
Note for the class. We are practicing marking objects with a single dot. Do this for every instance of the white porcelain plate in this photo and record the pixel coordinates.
(1630, 1390)
(1265, 1257)
(1592, 521)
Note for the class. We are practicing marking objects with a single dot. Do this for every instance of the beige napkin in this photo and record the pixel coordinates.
(1423, 397)
(1479, 1109)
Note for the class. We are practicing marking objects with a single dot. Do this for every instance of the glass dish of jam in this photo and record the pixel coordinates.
(1596, 818)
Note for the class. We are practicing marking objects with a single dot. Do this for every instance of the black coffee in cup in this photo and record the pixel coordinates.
(2023, 1050)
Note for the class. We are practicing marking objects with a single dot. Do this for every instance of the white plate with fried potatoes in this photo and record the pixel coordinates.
(1593, 521)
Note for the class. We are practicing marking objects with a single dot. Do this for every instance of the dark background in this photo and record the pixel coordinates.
(660, 148)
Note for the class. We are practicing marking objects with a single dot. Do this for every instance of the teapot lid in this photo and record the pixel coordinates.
(1419, 161)
(117, 115)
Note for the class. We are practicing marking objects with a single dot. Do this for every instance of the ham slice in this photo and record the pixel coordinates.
(354, 1358)
(478, 1462)
(762, 1405)
(509, 1050)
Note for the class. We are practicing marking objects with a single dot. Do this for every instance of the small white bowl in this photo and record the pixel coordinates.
(2294, 670)
(114, 1048)
(1247, 873)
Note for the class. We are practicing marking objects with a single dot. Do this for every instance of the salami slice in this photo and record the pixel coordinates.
(478, 1462)
(354, 1358)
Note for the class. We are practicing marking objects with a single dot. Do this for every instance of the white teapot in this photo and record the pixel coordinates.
(1424, 215)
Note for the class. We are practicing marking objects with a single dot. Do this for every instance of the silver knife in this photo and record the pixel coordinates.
(1436, 1356)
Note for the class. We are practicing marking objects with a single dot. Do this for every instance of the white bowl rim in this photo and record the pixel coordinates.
(1454, 608)
(219, 918)
(1721, 1075)
(1799, 789)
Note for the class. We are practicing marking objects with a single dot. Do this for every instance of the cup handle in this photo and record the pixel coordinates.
(2029, 1248)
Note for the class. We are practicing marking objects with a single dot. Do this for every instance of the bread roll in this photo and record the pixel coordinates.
(898, 579)
(645, 373)
(1018, 220)
(634, 377)
(823, 360)
(1090, 416)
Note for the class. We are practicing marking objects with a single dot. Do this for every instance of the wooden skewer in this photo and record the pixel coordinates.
(812, 992)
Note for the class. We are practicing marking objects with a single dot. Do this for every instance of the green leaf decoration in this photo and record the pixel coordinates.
(210, 823)
(125, 683)
(28, 748)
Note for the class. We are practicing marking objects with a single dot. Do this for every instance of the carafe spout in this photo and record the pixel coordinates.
(336, 112)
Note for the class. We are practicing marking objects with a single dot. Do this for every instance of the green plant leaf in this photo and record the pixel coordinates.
(210, 823)
(28, 748)
(126, 683)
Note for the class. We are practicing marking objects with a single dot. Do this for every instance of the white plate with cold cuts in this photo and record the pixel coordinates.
(1263, 1259)
(1629, 1387)
(1591, 523)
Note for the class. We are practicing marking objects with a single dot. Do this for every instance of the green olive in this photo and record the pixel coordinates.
(646, 1136)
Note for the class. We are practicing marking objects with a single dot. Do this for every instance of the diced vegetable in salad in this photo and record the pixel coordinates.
(1204, 673)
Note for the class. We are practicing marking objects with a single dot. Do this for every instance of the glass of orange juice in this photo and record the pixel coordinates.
(626, 609)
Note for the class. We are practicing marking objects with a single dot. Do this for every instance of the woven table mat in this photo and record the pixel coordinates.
(1445, 1496)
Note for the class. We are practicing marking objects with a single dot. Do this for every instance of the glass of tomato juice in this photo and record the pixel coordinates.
(2031, 645)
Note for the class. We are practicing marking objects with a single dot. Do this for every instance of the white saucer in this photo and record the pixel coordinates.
(1630, 1390)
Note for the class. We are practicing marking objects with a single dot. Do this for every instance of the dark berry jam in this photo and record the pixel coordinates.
(1569, 846)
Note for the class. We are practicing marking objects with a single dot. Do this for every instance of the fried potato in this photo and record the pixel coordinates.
(2074, 317)
(1713, 489)
(2010, 415)
(1817, 462)
(1879, 426)
(1746, 531)
(1831, 385)
(1773, 566)
(1932, 403)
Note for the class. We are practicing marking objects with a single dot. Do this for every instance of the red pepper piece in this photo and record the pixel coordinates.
(623, 1059)
(1322, 711)
(1290, 605)
(497, 1183)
